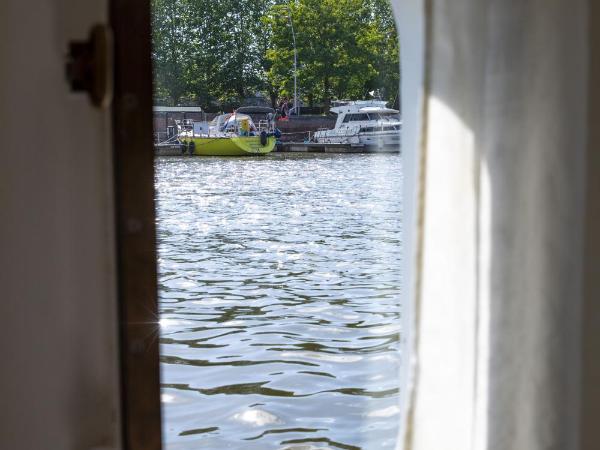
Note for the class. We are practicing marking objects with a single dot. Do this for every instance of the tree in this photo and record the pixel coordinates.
(170, 54)
(227, 50)
(346, 48)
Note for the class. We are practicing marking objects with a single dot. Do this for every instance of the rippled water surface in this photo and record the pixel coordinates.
(279, 300)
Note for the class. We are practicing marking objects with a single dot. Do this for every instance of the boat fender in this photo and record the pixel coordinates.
(277, 133)
(191, 147)
(263, 138)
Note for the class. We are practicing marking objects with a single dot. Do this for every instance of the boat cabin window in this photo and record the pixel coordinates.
(384, 116)
(380, 128)
(356, 117)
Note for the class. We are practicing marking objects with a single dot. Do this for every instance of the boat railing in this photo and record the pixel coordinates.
(263, 125)
(158, 135)
(351, 131)
(337, 135)
(266, 125)
(174, 139)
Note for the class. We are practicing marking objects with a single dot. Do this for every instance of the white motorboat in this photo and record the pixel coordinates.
(364, 122)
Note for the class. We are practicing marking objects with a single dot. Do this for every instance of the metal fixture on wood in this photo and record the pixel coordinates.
(90, 66)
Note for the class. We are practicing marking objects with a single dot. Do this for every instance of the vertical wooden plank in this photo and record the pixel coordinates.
(134, 187)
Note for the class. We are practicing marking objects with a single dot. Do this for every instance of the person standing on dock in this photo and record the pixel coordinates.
(283, 109)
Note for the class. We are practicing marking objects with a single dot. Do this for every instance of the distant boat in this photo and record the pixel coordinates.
(364, 122)
(233, 134)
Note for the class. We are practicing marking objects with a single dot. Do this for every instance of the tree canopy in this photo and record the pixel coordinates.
(222, 52)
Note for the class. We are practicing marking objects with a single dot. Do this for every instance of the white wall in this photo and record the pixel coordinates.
(58, 334)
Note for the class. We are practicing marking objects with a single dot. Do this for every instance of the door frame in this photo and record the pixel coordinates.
(135, 225)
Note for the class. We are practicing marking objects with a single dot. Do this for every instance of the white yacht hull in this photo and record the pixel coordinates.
(384, 141)
(380, 140)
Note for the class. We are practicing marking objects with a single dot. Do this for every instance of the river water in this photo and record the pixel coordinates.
(279, 301)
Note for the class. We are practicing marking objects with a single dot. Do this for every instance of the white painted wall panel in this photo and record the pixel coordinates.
(58, 336)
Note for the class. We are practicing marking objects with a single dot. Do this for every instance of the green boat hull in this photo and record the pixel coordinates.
(232, 146)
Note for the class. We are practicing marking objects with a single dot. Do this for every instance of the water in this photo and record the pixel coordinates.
(279, 301)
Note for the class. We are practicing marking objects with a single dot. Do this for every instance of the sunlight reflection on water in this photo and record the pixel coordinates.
(279, 301)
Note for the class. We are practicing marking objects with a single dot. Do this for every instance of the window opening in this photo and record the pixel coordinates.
(279, 233)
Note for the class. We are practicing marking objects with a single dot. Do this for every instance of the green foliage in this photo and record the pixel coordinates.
(227, 50)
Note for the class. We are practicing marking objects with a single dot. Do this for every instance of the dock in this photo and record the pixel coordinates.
(169, 149)
(174, 149)
(317, 147)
